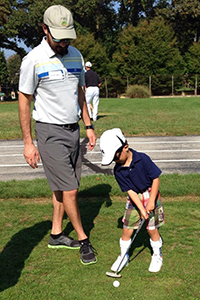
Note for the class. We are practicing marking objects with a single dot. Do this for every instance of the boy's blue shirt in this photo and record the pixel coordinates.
(139, 175)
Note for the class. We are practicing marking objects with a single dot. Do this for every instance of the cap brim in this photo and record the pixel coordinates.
(107, 160)
(63, 33)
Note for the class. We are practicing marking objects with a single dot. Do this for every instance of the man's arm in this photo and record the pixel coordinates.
(86, 118)
(31, 153)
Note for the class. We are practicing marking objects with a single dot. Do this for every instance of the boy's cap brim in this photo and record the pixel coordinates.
(110, 141)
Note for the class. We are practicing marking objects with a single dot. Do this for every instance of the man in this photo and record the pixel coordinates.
(53, 74)
(92, 85)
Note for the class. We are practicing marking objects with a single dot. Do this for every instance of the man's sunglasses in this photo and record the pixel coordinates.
(67, 41)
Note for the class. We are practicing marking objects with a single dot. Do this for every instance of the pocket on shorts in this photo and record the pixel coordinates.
(41, 132)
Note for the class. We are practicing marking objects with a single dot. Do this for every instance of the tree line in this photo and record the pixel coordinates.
(123, 39)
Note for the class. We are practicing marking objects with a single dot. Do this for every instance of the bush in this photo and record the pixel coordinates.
(137, 91)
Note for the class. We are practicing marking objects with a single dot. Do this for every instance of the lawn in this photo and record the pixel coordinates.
(29, 270)
(136, 117)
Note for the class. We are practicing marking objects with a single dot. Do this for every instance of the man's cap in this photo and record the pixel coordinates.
(110, 141)
(88, 64)
(60, 22)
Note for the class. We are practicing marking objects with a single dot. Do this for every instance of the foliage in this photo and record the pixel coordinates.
(192, 58)
(124, 39)
(3, 71)
(137, 91)
(94, 52)
(13, 65)
(148, 49)
(184, 15)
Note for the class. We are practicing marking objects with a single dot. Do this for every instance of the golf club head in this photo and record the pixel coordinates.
(114, 275)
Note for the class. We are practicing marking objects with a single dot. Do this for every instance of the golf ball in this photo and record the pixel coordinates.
(116, 283)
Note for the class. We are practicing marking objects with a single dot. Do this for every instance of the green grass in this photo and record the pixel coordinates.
(141, 117)
(29, 270)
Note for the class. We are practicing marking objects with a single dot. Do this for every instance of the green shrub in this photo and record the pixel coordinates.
(137, 91)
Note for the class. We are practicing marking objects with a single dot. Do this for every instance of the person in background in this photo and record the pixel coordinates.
(53, 74)
(92, 85)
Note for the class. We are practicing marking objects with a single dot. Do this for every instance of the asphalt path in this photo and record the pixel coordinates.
(171, 154)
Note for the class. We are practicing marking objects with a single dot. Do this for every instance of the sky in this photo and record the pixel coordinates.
(9, 53)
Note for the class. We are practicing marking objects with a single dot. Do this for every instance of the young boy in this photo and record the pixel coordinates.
(137, 175)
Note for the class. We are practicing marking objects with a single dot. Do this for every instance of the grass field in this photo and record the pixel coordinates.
(136, 117)
(29, 270)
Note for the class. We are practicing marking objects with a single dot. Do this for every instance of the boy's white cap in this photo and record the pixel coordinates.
(110, 141)
(60, 22)
(88, 64)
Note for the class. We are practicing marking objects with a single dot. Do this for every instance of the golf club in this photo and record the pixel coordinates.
(115, 274)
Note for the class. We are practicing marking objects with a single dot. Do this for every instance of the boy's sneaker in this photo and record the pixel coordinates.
(87, 253)
(120, 264)
(156, 263)
(63, 241)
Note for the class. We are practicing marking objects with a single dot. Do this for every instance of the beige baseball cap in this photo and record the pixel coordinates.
(60, 22)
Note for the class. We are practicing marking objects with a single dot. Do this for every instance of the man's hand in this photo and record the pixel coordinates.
(31, 155)
(92, 138)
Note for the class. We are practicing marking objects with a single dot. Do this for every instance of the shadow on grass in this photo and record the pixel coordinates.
(90, 206)
(90, 165)
(17, 250)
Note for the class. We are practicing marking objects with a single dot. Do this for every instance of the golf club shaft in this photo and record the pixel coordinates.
(140, 226)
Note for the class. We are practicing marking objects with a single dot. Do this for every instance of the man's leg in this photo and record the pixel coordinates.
(95, 104)
(57, 238)
(72, 210)
(88, 97)
(58, 212)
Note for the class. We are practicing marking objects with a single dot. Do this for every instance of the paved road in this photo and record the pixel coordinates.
(172, 154)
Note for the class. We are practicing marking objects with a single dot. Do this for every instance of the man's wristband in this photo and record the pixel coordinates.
(89, 127)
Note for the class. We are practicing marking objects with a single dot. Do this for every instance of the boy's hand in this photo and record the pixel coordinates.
(150, 206)
(144, 214)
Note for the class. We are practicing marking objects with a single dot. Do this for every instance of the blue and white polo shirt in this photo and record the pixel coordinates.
(54, 81)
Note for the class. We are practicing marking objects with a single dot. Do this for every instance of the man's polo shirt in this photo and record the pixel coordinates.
(53, 80)
(139, 175)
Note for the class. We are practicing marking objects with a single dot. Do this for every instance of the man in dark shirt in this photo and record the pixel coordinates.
(92, 85)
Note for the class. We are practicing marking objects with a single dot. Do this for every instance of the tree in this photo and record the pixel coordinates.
(184, 15)
(148, 49)
(24, 18)
(3, 72)
(13, 66)
(132, 11)
(94, 52)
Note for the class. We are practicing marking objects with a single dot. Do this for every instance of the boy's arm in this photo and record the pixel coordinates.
(134, 197)
(154, 191)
